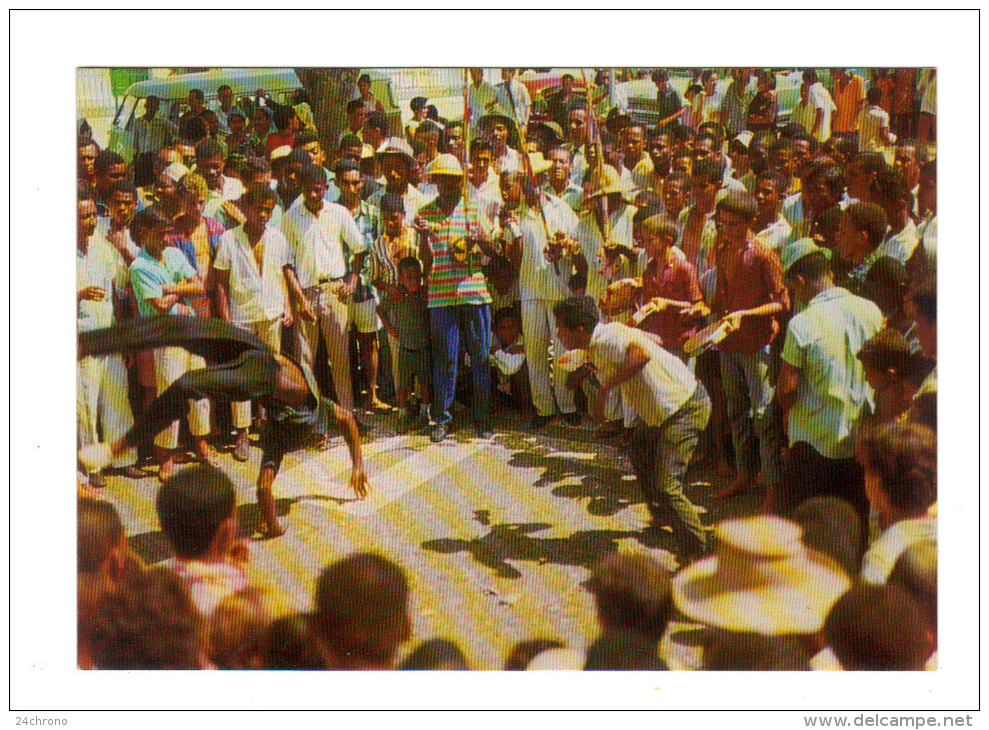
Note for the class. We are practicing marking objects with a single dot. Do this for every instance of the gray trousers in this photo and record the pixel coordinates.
(660, 456)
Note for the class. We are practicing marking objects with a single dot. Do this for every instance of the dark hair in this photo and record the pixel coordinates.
(362, 608)
(871, 161)
(259, 193)
(743, 651)
(105, 160)
(208, 148)
(833, 176)
(306, 136)
(712, 169)
(311, 173)
(780, 183)
(86, 140)
(632, 592)
(810, 76)
(192, 128)
(353, 105)
(147, 218)
(659, 75)
(713, 130)
(99, 530)
(391, 202)
(251, 167)
(577, 312)
(436, 654)
(920, 151)
(351, 140)
(874, 95)
(503, 313)
(890, 186)
(282, 117)
(876, 628)
(811, 267)
(418, 103)
(924, 296)
(905, 457)
(525, 651)
(740, 203)
(829, 220)
(686, 180)
(767, 77)
(291, 642)
(887, 350)
(410, 262)
(378, 120)
(122, 186)
(623, 650)
(929, 169)
(191, 507)
(832, 526)
(480, 144)
(915, 573)
(364, 77)
(151, 622)
(346, 166)
(870, 218)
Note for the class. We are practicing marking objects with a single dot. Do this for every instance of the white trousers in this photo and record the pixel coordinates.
(333, 319)
(541, 341)
(102, 399)
(170, 364)
(269, 332)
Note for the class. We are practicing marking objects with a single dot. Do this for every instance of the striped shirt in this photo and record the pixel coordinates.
(382, 266)
(452, 282)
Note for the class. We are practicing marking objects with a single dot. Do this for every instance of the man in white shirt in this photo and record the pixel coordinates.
(577, 131)
(770, 227)
(101, 281)
(482, 183)
(891, 192)
(543, 281)
(672, 406)
(500, 129)
(323, 237)
(821, 389)
(481, 97)
(223, 190)
(514, 97)
(253, 268)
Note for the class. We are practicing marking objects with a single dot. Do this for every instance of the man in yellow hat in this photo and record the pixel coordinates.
(451, 231)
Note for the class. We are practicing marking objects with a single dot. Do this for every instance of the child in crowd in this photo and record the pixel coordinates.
(404, 315)
(508, 359)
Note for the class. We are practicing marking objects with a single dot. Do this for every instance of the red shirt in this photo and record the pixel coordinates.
(677, 280)
(278, 139)
(747, 279)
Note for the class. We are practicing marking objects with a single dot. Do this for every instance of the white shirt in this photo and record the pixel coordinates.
(776, 234)
(255, 296)
(819, 98)
(881, 557)
(658, 390)
(588, 234)
(103, 230)
(538, 278)
(898, 246)
(102, 266)
(519, 111)
(317, 243)
(822, 343)
(413, 199)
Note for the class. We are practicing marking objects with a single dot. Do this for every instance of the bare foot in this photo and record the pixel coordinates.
(268, 532)
(166, 470)
(207, 455)
(376, 404)
(742, 481)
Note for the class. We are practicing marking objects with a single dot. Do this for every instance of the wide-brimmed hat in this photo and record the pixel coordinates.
(499, 113)
(793, 252)
(763, 579)
(396, 146)
(605, 182)
(444, 164)
(555, 129)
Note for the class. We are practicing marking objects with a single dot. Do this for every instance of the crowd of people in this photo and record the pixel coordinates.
(714, 285)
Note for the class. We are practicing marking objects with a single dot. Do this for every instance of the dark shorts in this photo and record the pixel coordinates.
(412, 363)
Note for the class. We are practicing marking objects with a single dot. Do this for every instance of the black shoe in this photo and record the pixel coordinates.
(484, 431)
(438, 433)
(539, 421)
(572, 419)
(131, 472)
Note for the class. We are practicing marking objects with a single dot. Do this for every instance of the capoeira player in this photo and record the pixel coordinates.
(244, 369)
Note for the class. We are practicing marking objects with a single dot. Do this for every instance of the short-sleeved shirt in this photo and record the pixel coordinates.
(880, 559)
(386, 253)
(751, 278)
(410, 317)
(668, 104)
(199, 248)
(735, 106)
(103, 266)
(848, 101)
(658, 390)
(675, 279)
(255, 295)
(538, 278)
(413, 198)
(823, 342)
(591, 241)
(452, 282)
(776, 234)
(321, 245)
(148, 275)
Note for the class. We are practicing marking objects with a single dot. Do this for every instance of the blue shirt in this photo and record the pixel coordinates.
(147, 275)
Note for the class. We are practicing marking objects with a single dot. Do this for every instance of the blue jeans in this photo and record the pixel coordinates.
(448, 325)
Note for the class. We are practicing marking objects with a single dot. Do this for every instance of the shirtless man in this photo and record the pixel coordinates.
(245, 369)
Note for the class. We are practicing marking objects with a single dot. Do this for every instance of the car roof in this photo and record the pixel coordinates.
(241, 80)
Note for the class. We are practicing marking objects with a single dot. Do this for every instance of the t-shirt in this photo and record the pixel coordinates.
(255, 295)
(453, 282)
(148, 274)
(382, 264)
(823, 342)
(410, 317)
(658, 390)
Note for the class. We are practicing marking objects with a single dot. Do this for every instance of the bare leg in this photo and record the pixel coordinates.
(266, 503)
(368, 342)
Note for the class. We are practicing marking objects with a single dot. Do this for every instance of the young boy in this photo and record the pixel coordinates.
(508, 359)
(404, 315)
(673, 305)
